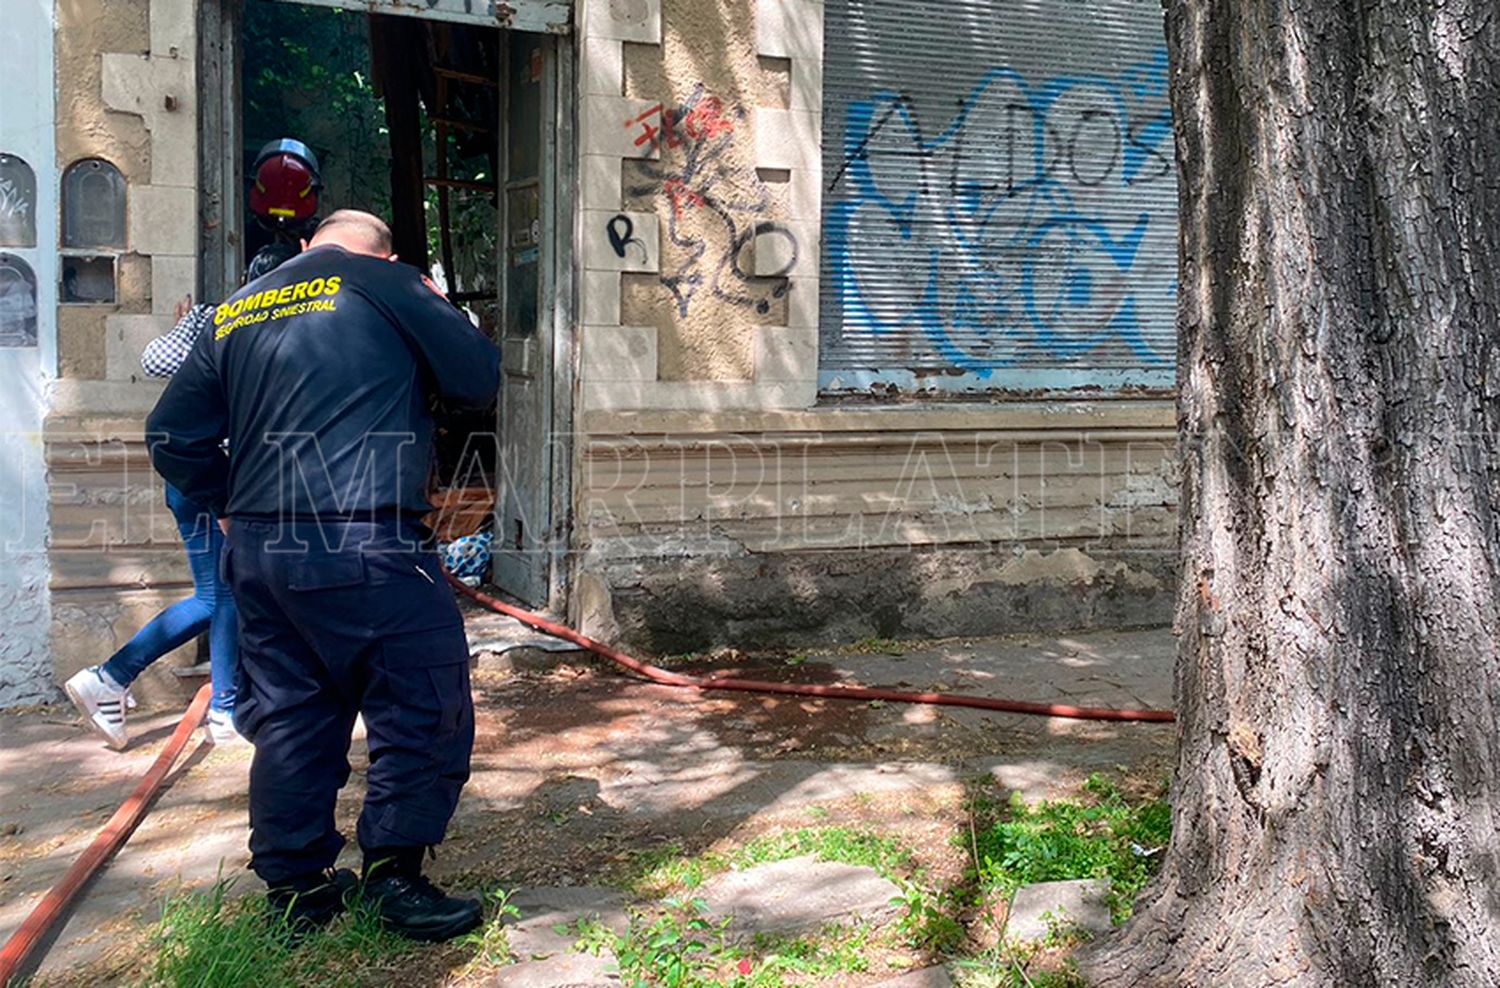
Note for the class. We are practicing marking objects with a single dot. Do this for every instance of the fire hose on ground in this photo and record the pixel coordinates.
(666, 678)
(55, 903)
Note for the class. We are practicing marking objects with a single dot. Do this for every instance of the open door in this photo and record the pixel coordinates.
(477, 115)
(523, 525)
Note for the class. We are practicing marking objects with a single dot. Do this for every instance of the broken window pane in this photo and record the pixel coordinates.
(88, 280)
(17, 302)
(93, 200)
(17, 202)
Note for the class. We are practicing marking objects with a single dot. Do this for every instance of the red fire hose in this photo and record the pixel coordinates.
(666, 678)
(134, 809)
(114, 834)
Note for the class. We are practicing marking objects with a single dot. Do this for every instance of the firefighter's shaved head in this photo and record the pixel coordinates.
(356, 231)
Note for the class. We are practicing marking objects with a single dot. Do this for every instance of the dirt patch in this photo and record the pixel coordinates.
(578, 772)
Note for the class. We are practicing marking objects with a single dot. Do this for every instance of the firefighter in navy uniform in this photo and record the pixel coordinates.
(320, 375)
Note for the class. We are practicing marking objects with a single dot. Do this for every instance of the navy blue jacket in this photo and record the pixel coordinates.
(319, 375)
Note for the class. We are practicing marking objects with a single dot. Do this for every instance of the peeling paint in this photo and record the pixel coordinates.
(547, 16)
(1070, 566)
(803, 598)
(26, 77)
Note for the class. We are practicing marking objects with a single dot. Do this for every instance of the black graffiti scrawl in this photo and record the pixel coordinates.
(620, 231)
(694, 174)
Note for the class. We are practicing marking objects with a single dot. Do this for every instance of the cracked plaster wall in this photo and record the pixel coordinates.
(700, 171)
(126, 93)
(26, 131)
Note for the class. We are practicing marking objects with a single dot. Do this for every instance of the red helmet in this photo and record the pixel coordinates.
(285, 183)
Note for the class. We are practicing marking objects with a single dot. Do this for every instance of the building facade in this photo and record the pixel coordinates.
(820, 319)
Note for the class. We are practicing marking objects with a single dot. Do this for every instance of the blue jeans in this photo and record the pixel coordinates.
(210, 608)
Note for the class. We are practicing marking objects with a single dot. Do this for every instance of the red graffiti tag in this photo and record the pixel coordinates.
(679, 193)
(706, 120)
(701, 120)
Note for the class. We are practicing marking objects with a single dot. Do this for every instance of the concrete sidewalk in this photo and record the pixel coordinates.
(577, 763)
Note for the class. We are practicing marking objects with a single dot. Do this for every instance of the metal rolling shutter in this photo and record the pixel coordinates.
(999, 196)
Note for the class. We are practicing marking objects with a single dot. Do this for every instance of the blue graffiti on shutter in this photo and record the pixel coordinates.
(1015, 236)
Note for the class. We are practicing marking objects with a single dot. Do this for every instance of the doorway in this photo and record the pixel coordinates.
(448, 126)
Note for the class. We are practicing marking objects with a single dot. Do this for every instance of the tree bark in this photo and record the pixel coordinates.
(1337, 791)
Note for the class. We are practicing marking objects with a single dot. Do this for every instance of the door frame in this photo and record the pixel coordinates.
(560, 247)
(547, 571)
(221, 242)
(221, 233)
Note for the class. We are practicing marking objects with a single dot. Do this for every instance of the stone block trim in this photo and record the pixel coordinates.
(618, 353)
(620, 365)
(697, 395)
(124, 339)
(163, 93)
(606, 129)
(621, 20)
(620, 241)
(163, 220)
(172, 277)
(161, 88)
(786, 353)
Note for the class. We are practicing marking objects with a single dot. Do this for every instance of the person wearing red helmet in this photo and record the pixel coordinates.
(284, 187)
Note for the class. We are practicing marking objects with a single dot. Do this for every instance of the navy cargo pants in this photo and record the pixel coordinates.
(339, 619)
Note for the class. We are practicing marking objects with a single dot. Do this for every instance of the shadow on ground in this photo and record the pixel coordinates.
(577, 768)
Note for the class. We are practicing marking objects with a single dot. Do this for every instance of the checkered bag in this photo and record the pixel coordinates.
(468, 558)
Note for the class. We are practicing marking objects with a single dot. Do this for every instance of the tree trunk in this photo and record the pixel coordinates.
(1337, 794)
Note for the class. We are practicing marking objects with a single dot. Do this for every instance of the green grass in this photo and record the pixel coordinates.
(855, 847)
(1105, 836)
(675, 946)
(668, 869)
(214, 940)
(1012, 967)
(831, 951)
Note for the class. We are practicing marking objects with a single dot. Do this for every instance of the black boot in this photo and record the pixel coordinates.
(309, 902)
(409, 904)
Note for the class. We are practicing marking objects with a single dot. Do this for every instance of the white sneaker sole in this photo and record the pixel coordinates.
(117, 744)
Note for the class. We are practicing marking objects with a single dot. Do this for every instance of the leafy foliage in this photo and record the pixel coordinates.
(490, 943)
(676, 948)
(929, 921)
(1051, 841)
(307, 75)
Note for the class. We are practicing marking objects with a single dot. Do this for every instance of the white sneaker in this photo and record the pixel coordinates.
(102, 704)
(220, 728)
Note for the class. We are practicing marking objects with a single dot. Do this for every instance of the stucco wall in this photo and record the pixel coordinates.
(706, 192)
(833, 525)
(26, 132)
(714, 501)
(699, 174)
(127, 93)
